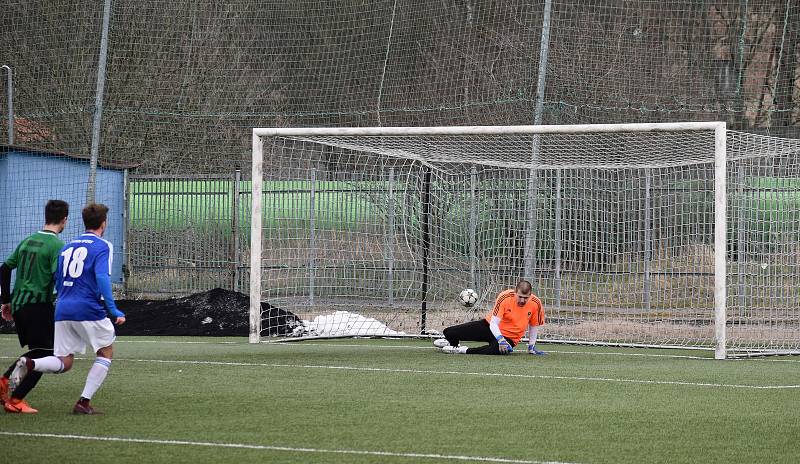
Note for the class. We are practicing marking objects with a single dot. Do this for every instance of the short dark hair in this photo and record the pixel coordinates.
(55, 211)
(523, 286)
(94, 214)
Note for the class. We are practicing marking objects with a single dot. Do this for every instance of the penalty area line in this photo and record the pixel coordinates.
(290, 449)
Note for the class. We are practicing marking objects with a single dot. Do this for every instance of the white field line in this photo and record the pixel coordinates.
(418, 347)
(278, 448)
(474, 374)
(647, 355)
(182, 342)
(461, 373)
(432, 372)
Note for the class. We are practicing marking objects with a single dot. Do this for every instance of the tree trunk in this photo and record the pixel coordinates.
(786, 51)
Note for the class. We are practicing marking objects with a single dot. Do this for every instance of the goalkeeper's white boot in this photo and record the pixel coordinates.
(441, 343)
(454, 349)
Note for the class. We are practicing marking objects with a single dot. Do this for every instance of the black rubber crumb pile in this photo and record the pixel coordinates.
(216, 312)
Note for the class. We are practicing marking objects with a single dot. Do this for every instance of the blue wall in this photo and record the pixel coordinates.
(28, 179)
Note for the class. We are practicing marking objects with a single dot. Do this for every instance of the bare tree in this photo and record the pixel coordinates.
(788, 75)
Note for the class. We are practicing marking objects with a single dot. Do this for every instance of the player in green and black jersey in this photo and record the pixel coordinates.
(30, 305)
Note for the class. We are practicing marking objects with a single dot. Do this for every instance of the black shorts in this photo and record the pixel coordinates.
(35, 323)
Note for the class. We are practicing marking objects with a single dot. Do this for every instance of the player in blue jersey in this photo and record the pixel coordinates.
(83, 308)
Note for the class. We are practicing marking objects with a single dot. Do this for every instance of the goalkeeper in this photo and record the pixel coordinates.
(515, 311)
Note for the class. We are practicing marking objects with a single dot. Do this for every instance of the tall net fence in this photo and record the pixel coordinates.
(186, 81)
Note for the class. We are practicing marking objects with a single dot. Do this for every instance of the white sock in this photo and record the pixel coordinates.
(49, 364)
(97, 374)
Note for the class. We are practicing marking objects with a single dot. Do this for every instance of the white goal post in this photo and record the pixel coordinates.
(622, 228)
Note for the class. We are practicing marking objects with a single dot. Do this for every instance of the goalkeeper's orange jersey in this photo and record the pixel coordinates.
(515, 319)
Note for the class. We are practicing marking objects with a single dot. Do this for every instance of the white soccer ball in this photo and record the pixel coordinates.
(468, 297)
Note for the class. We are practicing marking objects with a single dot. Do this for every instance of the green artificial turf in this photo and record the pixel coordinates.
(170, 400)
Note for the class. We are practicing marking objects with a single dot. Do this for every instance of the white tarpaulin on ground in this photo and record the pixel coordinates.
(344, 323)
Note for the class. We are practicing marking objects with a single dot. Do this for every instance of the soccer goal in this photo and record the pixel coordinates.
(665, 235)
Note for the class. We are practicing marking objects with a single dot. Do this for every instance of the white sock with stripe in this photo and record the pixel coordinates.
(49, 364)
(97, 374)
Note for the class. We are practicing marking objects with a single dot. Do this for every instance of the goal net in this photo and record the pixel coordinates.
(676, 234)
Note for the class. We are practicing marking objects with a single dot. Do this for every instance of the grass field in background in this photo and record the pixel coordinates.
(769, 204)
(338, 205)
(192, 400)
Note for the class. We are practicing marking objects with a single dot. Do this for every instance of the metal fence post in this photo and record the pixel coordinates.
(390, 237)
(557, 240)
(10, 92)
(473, 229)
(235, 257)
(312, 272)
(647, 238)
(425, 241)
(740, 239)
(98, 104)
(126, 217)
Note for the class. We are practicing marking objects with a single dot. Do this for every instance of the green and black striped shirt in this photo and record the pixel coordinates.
(35, 259)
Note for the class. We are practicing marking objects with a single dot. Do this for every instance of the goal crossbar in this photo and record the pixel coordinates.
(486, 130)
